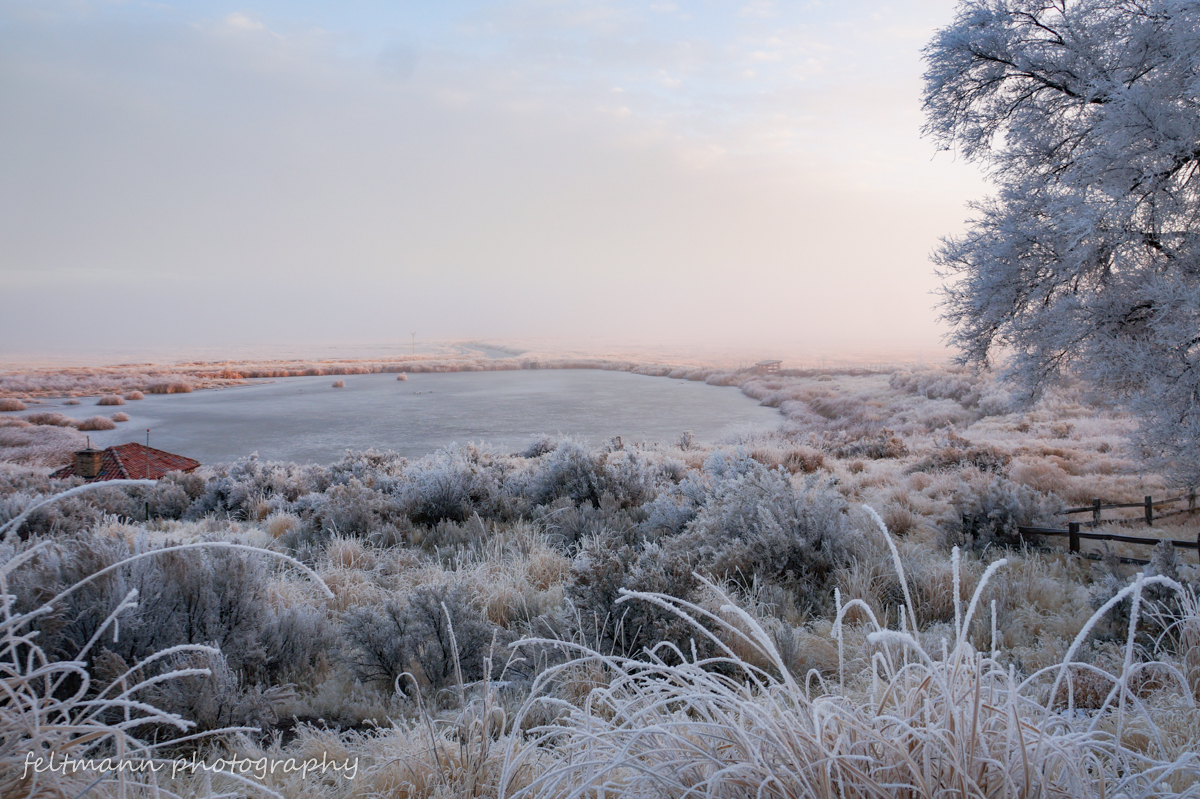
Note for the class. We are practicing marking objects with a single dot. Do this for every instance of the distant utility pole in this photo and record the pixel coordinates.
(414, 343)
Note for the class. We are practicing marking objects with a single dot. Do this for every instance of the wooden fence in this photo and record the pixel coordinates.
(1148, 505)
(1074, 535)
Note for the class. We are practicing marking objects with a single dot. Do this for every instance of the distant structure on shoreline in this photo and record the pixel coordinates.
(767, 367)
(131, 461)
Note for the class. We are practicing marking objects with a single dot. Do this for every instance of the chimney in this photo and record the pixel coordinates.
(89, 462)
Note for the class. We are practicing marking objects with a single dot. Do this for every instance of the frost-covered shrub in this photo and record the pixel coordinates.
(724, 378)
(112, 399)
(540, 447)
(1166, 614)
(376, 468)
(355, 509)
(339, 383)
(199, 596)
(567, 523)
(449, 538)
(873, 444)
(957, 453)
(68, 516)
(171, 387)
(51, 418)
(251, 487)
(79, 514)
(599, 574)
(223, 698)
(582, 475)
(959, 385)
(804, 459)
(11, 404)
(378, 643)
(168, 499)
(437, 628)
(297, 642)
(676, 505)
(120, 417)
(96, 423)
(135, 395)
(758, 526)
(38, 445)
(452, 484)
(988, 510)
(184, 598)
(452, 633)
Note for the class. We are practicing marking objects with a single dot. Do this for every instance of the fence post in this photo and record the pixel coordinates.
(1073, 535)
(1192, 499)
(1096, 512)
(1149, 512)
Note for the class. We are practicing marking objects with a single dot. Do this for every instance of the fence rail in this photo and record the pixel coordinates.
(1149, 504)
(1074, 535)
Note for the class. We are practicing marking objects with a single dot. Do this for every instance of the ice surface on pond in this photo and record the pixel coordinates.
(307, 420)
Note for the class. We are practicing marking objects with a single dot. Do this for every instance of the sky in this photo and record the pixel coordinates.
(192, 176)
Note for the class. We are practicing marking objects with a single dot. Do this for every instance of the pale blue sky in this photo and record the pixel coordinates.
(332, 173)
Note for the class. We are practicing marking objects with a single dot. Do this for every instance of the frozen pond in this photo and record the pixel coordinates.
(306, 420)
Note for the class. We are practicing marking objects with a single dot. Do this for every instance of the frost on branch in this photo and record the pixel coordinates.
(1086, 261)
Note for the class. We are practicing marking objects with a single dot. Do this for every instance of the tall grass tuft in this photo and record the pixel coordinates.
(112, 399)
(11, 404)
(920, 715)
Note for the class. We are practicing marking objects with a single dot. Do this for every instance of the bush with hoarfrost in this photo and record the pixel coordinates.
(960, 385)
(236, 489)
(602, 570)
(53, 418)
(38, 445)
(987, 510)
(177, 386)
(757, 525)
(454, 483)
(205, 596)
(437, 634)
(573, 471)
(69, 690)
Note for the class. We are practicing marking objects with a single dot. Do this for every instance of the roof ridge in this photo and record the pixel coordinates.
(120, 464)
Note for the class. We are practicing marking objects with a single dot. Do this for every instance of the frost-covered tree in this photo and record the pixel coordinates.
(1086, 262)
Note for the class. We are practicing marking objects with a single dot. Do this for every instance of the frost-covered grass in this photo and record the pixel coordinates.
(648, 620)
(922, 716)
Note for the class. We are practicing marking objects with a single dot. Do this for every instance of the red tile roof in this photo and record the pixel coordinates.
(134, 461)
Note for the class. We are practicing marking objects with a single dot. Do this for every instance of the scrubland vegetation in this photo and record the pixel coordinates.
(664, 620)
(133, 381)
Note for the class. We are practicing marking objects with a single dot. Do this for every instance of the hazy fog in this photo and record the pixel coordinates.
(200, 175)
